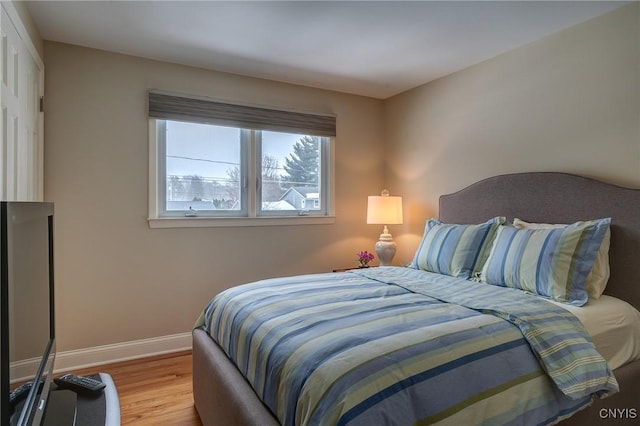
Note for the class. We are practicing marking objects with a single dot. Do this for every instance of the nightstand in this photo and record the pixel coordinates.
(353, 267)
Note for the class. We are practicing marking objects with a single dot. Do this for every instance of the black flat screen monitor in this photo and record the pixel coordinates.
(26, 309)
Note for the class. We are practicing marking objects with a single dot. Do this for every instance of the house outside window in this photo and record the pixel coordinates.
(208, 168)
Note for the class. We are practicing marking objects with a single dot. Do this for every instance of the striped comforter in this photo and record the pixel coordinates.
(399, 346)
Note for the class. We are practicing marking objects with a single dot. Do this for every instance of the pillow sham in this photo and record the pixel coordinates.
(552, 263)
(455, 250)
(600, 272)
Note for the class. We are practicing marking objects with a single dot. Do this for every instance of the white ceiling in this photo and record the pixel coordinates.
(371, 48)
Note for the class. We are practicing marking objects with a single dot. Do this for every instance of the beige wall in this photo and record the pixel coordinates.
(569, 102)
(117, 279)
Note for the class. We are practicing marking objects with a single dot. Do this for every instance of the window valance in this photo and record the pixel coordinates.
(169, 106)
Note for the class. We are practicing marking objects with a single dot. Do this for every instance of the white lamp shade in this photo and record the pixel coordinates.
(384, 210)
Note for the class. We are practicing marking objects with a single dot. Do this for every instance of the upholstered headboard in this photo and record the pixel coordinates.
(560, 198)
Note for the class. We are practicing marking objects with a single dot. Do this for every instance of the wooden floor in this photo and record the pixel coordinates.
(153, 391)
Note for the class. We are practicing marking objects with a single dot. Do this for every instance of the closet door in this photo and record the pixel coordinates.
(21, 157)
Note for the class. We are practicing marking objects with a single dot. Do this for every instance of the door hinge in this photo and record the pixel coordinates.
(41, 103)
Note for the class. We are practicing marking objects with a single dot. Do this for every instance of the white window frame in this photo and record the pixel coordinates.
(250, 170)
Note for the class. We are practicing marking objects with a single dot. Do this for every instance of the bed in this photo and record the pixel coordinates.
(223, 396)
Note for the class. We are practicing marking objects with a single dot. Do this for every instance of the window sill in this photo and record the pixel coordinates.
(209, 222)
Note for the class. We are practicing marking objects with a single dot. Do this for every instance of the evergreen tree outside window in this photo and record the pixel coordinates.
(301, 165)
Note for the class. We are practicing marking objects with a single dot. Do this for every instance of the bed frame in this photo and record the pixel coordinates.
(223, 397)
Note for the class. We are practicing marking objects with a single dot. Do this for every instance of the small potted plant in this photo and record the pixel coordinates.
(364, 257)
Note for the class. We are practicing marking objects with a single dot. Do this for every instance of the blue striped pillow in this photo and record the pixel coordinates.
(553, 263)
(455, 250)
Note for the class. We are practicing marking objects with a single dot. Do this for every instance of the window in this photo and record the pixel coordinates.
(218, 167)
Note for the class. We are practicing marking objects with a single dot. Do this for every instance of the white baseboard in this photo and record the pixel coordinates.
(125, 351)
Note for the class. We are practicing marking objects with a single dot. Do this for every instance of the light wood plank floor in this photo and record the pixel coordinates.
(153, 391)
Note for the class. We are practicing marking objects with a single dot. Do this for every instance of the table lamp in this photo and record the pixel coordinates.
(384, 210)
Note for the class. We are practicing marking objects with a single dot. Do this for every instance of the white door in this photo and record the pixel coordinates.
(21, 157)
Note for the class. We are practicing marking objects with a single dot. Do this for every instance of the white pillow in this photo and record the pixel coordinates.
(600, 272)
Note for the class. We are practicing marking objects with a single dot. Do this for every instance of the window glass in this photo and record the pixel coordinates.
(202, 167)
(290, 170)
(205, 170)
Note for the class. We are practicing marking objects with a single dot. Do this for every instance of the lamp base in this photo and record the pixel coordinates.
(385, 251)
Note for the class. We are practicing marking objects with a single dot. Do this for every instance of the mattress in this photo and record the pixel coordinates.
(614, 326)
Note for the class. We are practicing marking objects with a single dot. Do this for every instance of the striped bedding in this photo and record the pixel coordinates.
(399, 346)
